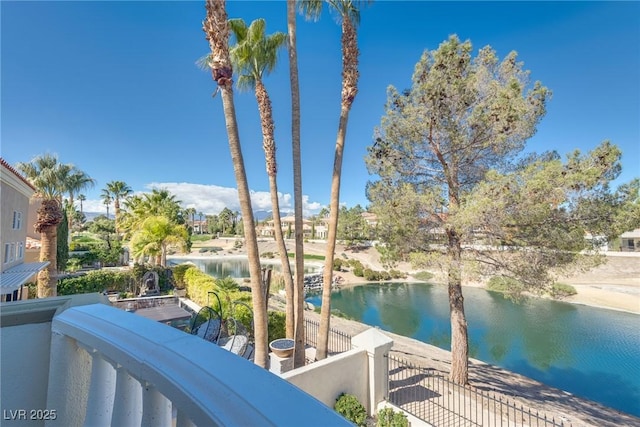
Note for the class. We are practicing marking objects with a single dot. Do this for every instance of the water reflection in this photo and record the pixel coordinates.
(236, 267)
(568, 346)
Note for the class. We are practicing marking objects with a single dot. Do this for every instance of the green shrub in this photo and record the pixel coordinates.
(348, 406)
(562, 290)
(97, 281)
(397, 274)
(277, 325)
(268, 255)
(74, 264)
(372, 275)
(203, 250)
(505, 285)
(423, 275)
(338, 264)
(198, 284)
(355, 263)
(178, 274)
(384, 275)
(387, 417)
(358, 271)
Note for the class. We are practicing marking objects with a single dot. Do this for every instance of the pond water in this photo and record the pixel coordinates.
(236, 267)
(590, 352)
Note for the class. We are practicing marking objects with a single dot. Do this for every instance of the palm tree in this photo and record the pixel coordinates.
(76, 182)
(106, 199)
(118, 190)
(254, 56)
(225, 219)
(191, 213)
(47, 175)
(216, 28)
(137, 208)
(155, 235)
(81, 198)
(349, 15)
(298, 289)
(200, 215)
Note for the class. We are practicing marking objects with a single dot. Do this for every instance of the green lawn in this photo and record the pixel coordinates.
(308, 256)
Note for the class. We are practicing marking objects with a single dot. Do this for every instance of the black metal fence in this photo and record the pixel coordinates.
(339, 341)
(429, 395)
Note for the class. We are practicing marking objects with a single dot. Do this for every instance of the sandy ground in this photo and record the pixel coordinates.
(614, 285)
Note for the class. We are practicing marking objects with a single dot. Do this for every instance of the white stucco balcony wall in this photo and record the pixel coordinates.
(110, 367)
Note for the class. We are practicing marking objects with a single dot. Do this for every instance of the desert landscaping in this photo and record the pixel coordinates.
(613, 285)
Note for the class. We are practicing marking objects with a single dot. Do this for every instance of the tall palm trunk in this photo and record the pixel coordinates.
(349, 91)
(298, 291)
(49, 216)
(216, 28)
(116, 207)
(70, 217)
(269, 146)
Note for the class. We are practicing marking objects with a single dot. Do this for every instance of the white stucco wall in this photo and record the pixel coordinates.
(327, 379)
(25, 368)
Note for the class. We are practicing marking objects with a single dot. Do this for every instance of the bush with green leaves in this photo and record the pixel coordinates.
(277, 325)
(349, 407)
(198, 284)
(338, 264)
(97, 281)
(504, 284)
(178, 274)
(562, 290)
(358, 271)
(387, 417)
(371, 275)
(355, 263)
(397, 274)
(423, 275)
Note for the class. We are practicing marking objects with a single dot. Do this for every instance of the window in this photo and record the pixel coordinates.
(20, 253)
(6, 252)
(12, 252)
(17, 220)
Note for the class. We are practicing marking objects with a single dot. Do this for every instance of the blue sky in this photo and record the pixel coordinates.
(112, 87)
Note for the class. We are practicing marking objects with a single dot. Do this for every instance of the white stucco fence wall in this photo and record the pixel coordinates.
(326, 379)
(362, 372)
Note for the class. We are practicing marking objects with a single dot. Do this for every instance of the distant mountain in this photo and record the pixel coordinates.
(91, 215)
(257, 215)
(262, 215)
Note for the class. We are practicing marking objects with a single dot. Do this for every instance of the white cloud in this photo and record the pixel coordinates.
(211, 199)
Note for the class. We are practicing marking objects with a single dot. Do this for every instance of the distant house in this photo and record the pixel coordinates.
(15, 193)
(267, 227)
(630, 241)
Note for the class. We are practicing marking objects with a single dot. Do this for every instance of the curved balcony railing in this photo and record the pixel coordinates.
(113, 368)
